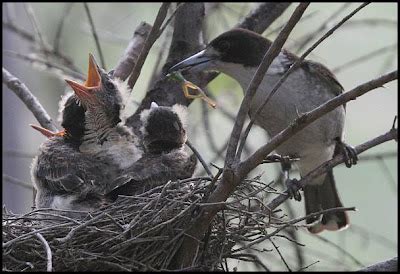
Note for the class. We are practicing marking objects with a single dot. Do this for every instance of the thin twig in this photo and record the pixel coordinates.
(179, 5)
(57, 38)
(378, 156)
(198, 155)
(322, 27)
(46, 51)
(340, 249)
(48, 64)
(280, 255)
(94, 33)
(32, 18)
(364, 58)
(73, 231)
(18, 153)
(151, 38)
(292, 222)
(13, 180)
(48, 252)
(33, 104)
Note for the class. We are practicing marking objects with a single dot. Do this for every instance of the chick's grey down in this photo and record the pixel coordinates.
(75, 169)
(238, 53)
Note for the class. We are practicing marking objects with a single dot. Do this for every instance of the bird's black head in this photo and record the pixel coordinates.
(163, 128)
(237, 46)
(240, 46)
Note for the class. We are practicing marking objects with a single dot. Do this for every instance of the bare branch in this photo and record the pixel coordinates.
(387, 266)
(263, 16)
(153, 35)
(19, 88)
(132, 51)
(95, 37)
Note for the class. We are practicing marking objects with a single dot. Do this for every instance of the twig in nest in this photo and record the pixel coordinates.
(48, 252)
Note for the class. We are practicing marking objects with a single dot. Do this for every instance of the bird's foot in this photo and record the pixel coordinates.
(284, 160)
(293, 188)
(348, 152)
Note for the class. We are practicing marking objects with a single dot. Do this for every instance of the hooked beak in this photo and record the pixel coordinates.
(199, 58)
(92, 83)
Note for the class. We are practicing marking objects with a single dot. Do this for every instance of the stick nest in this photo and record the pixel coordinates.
(136, 233)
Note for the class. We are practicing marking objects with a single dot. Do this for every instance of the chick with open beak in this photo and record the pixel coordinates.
(76, 167)
(101, 98)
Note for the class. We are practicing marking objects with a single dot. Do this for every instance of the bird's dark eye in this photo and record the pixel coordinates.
(224, 45)
(109, 85)
(111, 73)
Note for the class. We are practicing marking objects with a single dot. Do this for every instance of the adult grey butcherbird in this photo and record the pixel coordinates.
(238, 53)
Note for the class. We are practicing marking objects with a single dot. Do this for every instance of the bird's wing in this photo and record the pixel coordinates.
(61, 169)
(286, 59)
(153, 170)
(325, 74)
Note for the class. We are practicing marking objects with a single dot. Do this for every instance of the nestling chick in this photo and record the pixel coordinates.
(165, 157)
(77, 167)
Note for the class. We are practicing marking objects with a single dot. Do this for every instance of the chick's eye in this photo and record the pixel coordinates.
(109, 85)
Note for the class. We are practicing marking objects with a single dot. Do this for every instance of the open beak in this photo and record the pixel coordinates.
(92, 83)
(46, 132)
(199, 58)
